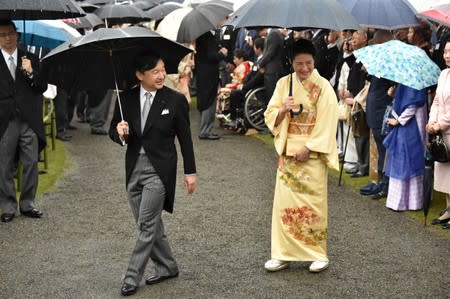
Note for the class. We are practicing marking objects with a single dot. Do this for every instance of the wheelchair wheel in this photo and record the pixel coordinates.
(254, 107)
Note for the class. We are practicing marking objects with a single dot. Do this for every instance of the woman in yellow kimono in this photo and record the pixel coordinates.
(304, 127)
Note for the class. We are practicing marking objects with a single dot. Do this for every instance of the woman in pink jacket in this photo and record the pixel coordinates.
(439, 121)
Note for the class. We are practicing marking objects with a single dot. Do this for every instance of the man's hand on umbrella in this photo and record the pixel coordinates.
(122, 129)
(26, 65)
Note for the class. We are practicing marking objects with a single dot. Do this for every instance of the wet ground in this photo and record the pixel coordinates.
(220, 235)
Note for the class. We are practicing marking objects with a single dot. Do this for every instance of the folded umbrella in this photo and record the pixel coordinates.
(399, 62)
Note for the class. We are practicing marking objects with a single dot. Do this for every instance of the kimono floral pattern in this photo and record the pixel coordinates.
(300, 224)
(293, 175)
(313, 90)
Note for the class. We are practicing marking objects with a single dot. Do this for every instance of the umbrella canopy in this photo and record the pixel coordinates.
(39, 10)
(440, 14)
(399, 62)
(45, 33)
(160, 11)
(88, 7)
(293, 14)
(100, 2)
(144, 5)
(190, 22)
(119, 14)
(100, 59)
(89, 21)
(382, 14)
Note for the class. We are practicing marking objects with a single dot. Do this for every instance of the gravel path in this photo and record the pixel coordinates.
(220, 235)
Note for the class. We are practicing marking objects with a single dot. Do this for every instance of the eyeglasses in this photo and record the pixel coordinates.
(8, 34)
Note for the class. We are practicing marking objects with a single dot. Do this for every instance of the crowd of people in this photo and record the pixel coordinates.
(309, 76)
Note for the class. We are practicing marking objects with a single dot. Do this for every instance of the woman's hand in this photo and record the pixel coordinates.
(122, 129)
(302, 154)
(393, 122)
(287, 104)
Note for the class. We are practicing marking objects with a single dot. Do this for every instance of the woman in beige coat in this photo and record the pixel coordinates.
(439, 121)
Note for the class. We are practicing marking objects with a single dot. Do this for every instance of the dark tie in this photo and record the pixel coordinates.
(145, 109)
(12, 67)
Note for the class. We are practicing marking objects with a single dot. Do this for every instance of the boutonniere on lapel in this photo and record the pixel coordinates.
(165, 111)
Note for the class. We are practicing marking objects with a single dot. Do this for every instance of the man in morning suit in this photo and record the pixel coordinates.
(21, 126)
(153, 115)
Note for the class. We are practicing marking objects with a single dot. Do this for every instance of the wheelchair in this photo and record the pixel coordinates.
(254, 107)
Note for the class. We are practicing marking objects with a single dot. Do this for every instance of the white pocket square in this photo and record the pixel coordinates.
(165, 111)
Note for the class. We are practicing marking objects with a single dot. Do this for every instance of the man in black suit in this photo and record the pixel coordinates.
(207, 58)
(153, 115)
(271, 63)
(21, 126)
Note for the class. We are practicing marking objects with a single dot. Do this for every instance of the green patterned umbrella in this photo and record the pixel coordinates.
(399, 62)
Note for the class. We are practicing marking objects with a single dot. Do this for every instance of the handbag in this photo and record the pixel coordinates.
(438, 149)
(358, 121)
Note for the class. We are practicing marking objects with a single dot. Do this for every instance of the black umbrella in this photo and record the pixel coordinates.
(293, 14)
(144, 5)
(100, 2)
(89, 21)
(39, 10)
(188, 23)
(160, 11)
(88, 7)
(104, 59)
(120, 14)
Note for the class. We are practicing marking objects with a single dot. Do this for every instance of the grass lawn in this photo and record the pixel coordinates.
(57, 163)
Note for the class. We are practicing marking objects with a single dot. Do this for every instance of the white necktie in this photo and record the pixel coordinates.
(145, 109)
(12, 67)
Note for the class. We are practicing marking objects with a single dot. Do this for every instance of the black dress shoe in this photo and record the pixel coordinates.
(156, 278)
(447, 225)
(128, 289)
(6, 217)
(63, 137)
(358, 175)
(437, 221)
(209, 137)
(33, 213)
(98, 131)
(379, 195)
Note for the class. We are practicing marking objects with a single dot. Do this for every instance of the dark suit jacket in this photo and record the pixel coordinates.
(377, 101)
(320, 60)
(22, 97)
(207, 60)
(159, 134)
(272, 59)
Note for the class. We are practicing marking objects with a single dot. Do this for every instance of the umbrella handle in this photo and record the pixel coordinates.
(118, 99)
